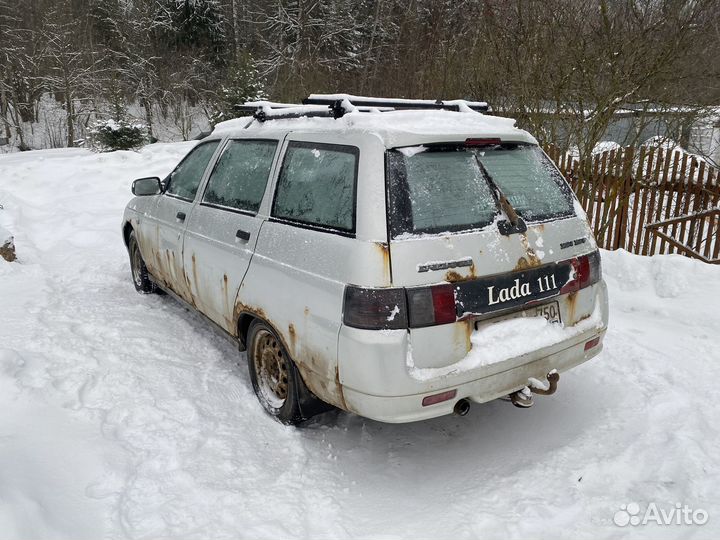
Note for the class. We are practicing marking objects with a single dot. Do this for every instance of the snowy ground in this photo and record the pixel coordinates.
(126, 416)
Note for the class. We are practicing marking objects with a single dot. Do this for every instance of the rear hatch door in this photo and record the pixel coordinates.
(446, 214)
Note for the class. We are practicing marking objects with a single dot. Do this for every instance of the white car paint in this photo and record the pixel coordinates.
(294, 277)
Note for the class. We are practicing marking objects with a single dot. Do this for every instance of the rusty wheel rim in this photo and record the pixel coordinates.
(136, 265)
(271, 369)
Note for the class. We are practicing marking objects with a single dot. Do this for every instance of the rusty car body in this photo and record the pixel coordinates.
(238, 262)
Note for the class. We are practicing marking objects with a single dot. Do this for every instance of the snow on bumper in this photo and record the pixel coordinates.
(378, 383)
(409, 408)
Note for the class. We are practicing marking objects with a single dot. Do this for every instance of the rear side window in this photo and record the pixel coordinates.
(449, 188)
(241, 174)
(185, 179)
(316, 185)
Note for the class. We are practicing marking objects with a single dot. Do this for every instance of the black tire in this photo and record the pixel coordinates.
(138, 270)
(275, 379)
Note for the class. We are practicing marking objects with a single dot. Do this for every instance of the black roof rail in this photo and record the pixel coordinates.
(333, 100)
(259, 114)
(340, 104)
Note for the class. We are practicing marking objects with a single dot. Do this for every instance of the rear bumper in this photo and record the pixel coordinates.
(378, 383)
(399, 409)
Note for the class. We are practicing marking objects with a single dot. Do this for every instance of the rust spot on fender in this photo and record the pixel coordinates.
(314, 370)
(384, 250)
(341, 396)
(227, 315)
(462, 332)
(241, 308)
(293, 337)
(571, 305)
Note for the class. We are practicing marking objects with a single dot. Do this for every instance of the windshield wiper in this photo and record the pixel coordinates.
(514, 223)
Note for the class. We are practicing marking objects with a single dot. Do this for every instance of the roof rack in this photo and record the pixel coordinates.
(337, 105)
(397, 104)
(266, 110)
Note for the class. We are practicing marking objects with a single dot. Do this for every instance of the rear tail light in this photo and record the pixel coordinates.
(375, 309)
(586, 271)
(428, 306)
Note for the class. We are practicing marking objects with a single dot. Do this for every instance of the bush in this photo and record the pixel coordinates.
(111, 135)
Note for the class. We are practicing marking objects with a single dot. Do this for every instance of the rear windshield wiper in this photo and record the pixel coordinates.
(514, 223)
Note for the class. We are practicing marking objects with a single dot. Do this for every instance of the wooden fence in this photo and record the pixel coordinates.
(648, 200)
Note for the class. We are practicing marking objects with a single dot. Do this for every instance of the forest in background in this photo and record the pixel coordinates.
(556, 65)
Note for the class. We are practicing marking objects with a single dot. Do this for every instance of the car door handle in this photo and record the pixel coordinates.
(180, 216)
(242, 235)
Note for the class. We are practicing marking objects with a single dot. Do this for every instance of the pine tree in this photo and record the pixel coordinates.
(243, 83)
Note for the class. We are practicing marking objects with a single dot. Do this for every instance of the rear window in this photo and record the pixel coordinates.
(448, 188)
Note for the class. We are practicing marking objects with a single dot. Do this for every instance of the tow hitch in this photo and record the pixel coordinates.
(523, 398)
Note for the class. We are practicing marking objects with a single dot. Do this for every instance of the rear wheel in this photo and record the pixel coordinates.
(275, 379)
(141, 279)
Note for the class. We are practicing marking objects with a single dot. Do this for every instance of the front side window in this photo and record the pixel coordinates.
(316, 185)
(241, 174)
(185, 179)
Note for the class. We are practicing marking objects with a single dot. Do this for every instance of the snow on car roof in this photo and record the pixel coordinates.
(394, 128)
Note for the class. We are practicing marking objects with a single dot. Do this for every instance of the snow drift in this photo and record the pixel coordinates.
(126, 416)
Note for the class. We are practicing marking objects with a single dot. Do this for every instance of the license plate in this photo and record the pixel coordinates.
(550, 311)
(512, 290)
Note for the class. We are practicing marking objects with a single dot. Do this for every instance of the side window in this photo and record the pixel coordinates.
(185, 179)
(241, 174)
(317, 185)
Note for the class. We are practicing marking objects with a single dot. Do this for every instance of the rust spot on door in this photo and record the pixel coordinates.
(194, 273)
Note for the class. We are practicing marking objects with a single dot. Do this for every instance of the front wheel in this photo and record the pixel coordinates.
(275, 379)
(141, 279)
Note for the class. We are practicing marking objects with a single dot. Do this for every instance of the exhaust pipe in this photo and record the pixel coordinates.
(462, 407)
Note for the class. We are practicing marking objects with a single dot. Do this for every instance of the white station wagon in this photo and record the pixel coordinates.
(398, 259)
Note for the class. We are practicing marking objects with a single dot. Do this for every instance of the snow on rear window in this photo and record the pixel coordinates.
(445, 189)
(528, 180)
